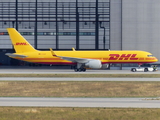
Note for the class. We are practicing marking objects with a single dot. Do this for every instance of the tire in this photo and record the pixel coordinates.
(145, 69)
(133, 69)
(76, 70)
(80, 69)
(83, 69)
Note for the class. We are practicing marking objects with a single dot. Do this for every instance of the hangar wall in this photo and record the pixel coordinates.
(56, 24)
(141, 25)
(115, 25)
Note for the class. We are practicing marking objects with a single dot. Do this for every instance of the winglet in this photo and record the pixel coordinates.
(73, 49)
(53, 53)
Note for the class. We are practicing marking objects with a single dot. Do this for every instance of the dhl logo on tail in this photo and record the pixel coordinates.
(21, 43)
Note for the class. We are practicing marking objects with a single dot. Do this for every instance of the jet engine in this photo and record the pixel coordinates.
(95, 64)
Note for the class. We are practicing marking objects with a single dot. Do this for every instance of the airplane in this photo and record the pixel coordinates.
(79, 59)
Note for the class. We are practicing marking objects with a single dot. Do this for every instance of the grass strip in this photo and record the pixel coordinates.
(79, 89)
(85, 75)
(34, 113)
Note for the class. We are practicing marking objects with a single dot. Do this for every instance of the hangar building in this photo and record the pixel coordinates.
(82, 24)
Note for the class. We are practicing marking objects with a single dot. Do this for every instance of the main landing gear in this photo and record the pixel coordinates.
(79, 68)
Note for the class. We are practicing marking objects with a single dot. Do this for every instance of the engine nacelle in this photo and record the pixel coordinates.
(95, 64)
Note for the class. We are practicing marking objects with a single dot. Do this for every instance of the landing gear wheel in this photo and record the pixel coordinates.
(80, 69)
(76, 70)
(133, 69)
(146, 70)
(83, 69)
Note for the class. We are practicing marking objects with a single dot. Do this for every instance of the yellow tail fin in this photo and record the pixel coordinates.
(20, 44)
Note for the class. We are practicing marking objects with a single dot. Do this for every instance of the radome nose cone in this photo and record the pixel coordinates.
(156, 59)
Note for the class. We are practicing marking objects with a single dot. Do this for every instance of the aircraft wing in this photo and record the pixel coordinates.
(15, 55)
(78, 60)
(72, 59)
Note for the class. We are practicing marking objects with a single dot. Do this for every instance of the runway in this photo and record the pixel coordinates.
(66, 71)
(81, 102)
(74, 79)
(69, 71)
(76, 102)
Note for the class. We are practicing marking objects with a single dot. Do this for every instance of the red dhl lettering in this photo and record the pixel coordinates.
(23, 43)
(123, 57)
(114, 56)
(133, 57)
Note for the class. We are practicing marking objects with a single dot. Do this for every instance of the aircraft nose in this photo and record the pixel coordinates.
(156, 59)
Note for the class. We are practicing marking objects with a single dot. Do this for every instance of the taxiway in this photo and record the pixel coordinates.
(80, 102)
(66, 71)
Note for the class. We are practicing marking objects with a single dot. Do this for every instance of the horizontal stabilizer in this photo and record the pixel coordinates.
(15, 55)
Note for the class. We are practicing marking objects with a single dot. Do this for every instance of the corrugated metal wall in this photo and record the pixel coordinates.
(141, 25)
(115, 24)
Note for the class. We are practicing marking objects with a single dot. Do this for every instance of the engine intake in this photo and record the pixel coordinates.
(95, 64)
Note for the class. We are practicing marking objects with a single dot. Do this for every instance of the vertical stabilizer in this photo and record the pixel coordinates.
(20, 44)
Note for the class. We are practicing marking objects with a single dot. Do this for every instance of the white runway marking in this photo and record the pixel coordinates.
(80, 102)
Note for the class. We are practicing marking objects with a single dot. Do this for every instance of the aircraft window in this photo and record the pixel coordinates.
(150, 55)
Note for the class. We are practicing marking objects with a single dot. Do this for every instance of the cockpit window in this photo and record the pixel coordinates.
(150, 55)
